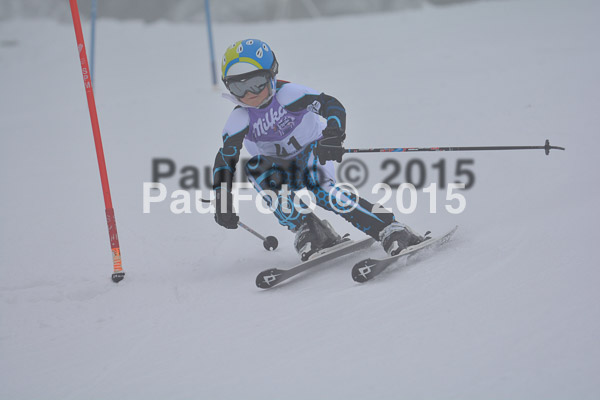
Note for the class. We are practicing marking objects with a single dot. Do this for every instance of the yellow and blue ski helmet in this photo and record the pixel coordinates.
(247, 56)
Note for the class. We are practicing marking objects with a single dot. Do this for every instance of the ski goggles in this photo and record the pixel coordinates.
(254, 82)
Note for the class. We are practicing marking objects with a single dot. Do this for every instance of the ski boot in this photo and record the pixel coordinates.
(314, 235)
(396, 237)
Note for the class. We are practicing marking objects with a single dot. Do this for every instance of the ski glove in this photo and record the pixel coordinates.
(226, 217)
(330, 146)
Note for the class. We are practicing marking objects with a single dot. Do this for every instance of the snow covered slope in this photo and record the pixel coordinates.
(508, 310)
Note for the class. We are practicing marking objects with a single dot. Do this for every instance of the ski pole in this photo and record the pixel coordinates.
(118, 273)
(270, 243)
(546, 148)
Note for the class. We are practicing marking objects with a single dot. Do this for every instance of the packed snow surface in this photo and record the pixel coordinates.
(509, 309)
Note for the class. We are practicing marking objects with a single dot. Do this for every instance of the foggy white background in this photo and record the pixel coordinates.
(221, 10)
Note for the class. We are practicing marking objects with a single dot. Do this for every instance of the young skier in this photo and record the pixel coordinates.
(294, 135)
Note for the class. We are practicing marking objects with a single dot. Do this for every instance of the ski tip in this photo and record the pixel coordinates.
(362, 271)
(453, 230)
(268, 278)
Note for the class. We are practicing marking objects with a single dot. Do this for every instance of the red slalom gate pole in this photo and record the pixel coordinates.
(118, 273)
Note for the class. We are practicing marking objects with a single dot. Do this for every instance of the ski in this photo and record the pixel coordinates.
(369, 268)
(274, 276)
